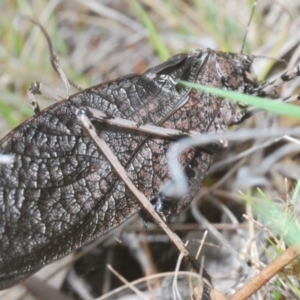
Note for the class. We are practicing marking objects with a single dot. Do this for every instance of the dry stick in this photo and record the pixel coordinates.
(270, 233)
(152, 129)
(267, 273)
(175, 291)
(147, 128)
(201, 219)
(110, 294)
(123, 175)
(127, 283)
(82, 115)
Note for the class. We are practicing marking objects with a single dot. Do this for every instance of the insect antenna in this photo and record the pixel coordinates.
(270, 58)
(248, 25)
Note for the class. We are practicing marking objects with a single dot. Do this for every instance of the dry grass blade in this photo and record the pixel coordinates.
(127, 284)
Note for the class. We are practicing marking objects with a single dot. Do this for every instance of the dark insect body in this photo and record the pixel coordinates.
(61, 193)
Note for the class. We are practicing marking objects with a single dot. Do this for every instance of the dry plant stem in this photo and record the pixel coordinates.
(190, 226)
(151, 269)
(144, 279)
(150, 287)
(147, 128)
(82, 115)
(175, 291)
(132, 287)
(201, 219)
(269, 232)
(54, 58)
(253, 246)
(79, 285)
(267, 273)
(201, 244)
(123, 175)
(203, 192)
(246, 153)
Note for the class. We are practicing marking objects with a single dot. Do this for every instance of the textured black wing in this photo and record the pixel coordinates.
(61, 192)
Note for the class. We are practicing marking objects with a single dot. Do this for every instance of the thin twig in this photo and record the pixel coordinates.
(267, 273)
(140, 196)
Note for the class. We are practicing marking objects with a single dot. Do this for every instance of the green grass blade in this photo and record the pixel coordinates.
(159, 46)
(296, 193)
(279, 108)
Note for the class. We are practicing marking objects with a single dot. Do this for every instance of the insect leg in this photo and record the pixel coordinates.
(215, 147)
(268, 88)
(37, 88)
(32, 91)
